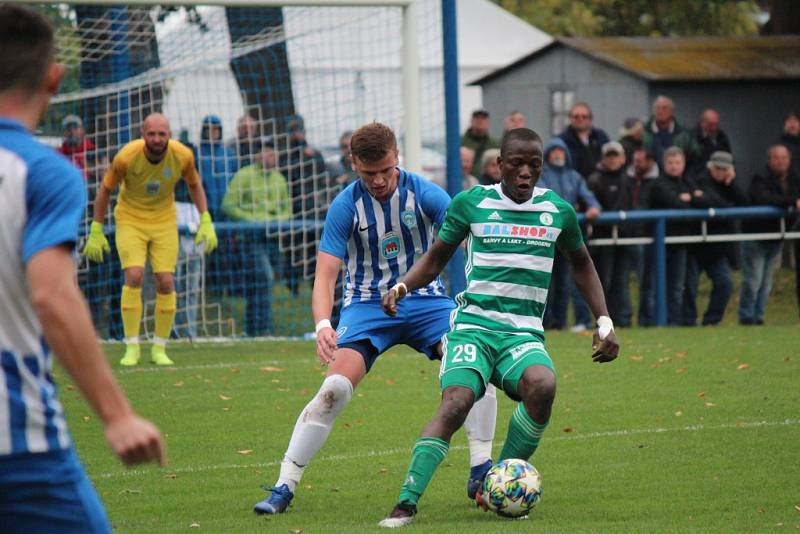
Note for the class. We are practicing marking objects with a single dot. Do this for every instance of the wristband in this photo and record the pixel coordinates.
(323, 323)
(604, 326)
(396, 289)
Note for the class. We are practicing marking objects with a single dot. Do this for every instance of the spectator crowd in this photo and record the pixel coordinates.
(655, 163)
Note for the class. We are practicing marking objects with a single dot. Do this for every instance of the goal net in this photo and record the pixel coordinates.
(263, 97)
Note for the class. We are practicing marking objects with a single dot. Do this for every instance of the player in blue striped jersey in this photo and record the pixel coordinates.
(376, 229)
(43, 487)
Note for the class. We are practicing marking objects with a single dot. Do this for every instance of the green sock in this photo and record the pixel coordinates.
(523, 435)
(426, 456)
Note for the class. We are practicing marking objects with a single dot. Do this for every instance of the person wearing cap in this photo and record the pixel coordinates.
(76, 146)
(583, 140)
(611, 186)
(217, 163)
(478, 139)
(630, 136)
(720, 190)
(710, 138)
(777, 185)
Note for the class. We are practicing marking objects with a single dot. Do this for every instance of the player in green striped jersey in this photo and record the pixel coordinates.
(511, 231)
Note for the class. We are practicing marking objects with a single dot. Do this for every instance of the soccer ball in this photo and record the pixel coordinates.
(511, 488)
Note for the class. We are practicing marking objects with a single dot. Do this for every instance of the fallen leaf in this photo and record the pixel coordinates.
(568, 429)
(739, 424)
(654, 366)
(283, 390)
(171, 475)
(308, 486)
(275, 381)
(235, 370)
(390, 382)
(359, 395)
(178, 384)
(587, 333)
(245, 452)
(682, 354)
(194, 525)
(225, 398)
(70, 387)
(678, 413)
(743, 366)
(680, 370)
(710, 404)
(347, 425)
(226, 409)
(335, 488)
(86, 418)
(295, 531)
(636, 358)
(762, 510)
(701, 394)
(383, 470)
(130, 491)
(270, 369)
(797, 507)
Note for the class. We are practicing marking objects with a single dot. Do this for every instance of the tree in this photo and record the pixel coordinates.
(684, 18)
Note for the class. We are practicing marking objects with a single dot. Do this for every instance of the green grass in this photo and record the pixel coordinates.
(689, 430)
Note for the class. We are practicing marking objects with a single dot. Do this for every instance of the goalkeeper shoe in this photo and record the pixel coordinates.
(131, 356)
(158, 355)
(402, 515)
(277, 503)
(476, 476)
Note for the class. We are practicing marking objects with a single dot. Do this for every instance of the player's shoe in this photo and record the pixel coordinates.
(402, 515)
(277, 503)
(476, 476)
(131, 356)
(158, 355)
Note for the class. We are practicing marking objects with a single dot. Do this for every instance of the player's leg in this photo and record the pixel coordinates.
(526, 372)
(314, 425)
(428, 320)
(132, 248)
(466, 366)
(163, 259)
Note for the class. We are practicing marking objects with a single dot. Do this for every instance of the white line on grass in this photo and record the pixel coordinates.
(406, 450)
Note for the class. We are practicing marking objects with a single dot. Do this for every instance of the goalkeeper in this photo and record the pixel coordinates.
(146, 219)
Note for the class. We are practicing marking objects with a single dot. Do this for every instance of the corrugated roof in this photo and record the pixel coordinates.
(686, 58)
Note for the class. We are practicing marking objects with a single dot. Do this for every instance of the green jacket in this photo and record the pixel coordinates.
(480, 144)
(682, 138)
(257, 195)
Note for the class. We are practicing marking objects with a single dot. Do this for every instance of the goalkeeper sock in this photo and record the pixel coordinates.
(165, 315)
(131, 305)
(523, 436)
(428, 453)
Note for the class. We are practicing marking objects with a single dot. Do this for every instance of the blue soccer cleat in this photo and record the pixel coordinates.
(277, 503)
(476, 476)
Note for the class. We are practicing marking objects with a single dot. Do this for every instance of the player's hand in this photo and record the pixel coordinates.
(326, 345)
(206, 233)
(605, 346)
(392, 297)
(96, 243)
(135, 440)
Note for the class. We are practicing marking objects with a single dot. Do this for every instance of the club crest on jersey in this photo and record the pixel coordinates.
(167, 174)
(409, 218)
(390, 245)
(546, 219)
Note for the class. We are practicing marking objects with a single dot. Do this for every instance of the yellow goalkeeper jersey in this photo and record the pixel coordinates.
(147, 196)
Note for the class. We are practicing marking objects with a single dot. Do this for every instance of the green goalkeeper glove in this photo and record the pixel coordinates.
(205, 232)
(96, 243)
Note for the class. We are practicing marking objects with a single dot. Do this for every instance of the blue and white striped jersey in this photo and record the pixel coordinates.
(42, 197)
(380, 241)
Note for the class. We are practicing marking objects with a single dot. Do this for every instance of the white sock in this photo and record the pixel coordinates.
(313, 426)
(479, 425)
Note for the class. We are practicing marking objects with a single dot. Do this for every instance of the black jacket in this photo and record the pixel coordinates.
(717, 195)
(766, 190)
(584, 157)
(665, 194)
(792, 142)
(706, 147)
(613, 191)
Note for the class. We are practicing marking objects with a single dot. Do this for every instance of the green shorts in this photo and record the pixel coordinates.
(474, 357)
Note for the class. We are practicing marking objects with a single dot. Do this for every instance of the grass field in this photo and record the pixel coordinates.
(690, 429)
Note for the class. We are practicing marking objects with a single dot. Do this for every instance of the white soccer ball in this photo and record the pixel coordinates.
(512, 488)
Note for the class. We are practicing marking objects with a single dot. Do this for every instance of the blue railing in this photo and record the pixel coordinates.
(659, 238)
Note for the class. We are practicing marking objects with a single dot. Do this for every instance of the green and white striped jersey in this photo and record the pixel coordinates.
(510, 249)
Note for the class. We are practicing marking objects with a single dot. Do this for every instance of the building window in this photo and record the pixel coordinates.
(561, 101)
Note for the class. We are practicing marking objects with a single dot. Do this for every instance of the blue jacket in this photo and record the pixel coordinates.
(217, 166)
(565, 181)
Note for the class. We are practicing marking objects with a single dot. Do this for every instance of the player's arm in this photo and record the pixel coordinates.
(587, 281)
(96, 242)
(198, 194)
(205, 232)
(327, 272)
(68, 329)
(421, 274)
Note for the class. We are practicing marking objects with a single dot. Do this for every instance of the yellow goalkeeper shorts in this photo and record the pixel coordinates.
(159, 244)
